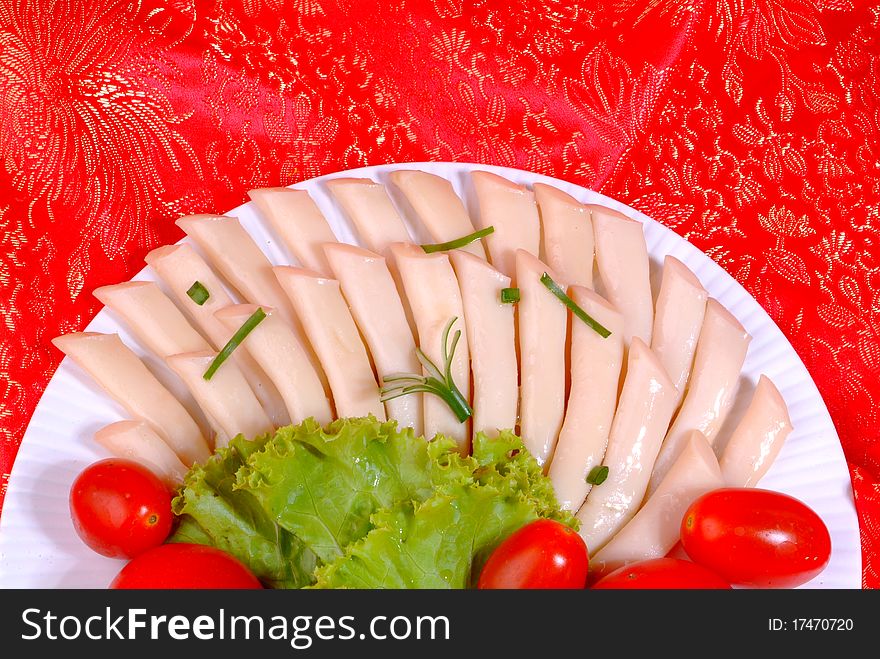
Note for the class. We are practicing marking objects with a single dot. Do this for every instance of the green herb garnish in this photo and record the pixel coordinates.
(556, 289)
(436, 382)
(198, 293)
(597, 475)
(509, 295)
(458, 242)
(255, 319)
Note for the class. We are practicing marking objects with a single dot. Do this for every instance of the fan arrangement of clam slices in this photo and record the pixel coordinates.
(624, 378)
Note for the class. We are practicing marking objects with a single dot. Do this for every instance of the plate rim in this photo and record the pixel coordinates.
(380, 173)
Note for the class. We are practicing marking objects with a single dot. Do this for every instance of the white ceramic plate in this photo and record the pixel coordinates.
(39, 548)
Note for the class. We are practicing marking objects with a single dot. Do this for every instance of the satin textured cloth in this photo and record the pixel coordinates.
(748, 126)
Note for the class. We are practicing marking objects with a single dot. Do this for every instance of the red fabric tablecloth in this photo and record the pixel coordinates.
(748, 126)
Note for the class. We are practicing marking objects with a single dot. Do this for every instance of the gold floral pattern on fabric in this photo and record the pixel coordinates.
(751, 127)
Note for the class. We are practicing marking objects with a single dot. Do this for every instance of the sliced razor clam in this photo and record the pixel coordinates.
(492, 343)
(511, 210)
(137, 441)
(226, 397)
(179, 266)
(371, 211)
(372, 296)
(298, 222)
(643, 412)
(568, 245)
(130, 383)
(680, 309)
(543, 326)
(758, 438)
(152, 317)
(379, 225)
(622, 257)
(435, 299)
(437, 207)
(334, 337)
(595, 378)
(236, 256)
(721, 351)
(274, 347)
(656, 528)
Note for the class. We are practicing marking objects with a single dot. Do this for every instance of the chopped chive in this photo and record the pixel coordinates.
(554, 288)
(198, 293)
(438, 382)
(458, 242)
(597, 475)
(255, 319)
(509, 295)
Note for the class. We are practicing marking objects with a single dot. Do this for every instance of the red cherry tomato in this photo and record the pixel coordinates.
(659, 574)
(542, 554)
(756, 537)
(120, 508)
(185, 566)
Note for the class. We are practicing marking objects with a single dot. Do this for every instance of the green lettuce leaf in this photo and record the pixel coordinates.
(325, 485)
(213, 512)
(436, 544)
(444, 541)
(363, 504)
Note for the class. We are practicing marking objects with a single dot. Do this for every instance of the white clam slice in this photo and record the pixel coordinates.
(656, 528)
(437, 207)
(435, 299)
(379, 225)
(298, 222)
(372, 296)
(235, 254)
(568, 245)
(592, 399)
(152, 316)
(492, 343)
(179, 266)
(226, 397)
(758, 438)
(137, 441)
(622, 257)
(157, 322)
(371, 211)
(543, 327)
(511, 210)
(721, 351)
(680, 309)
(334, 337)
(643, 412)
(130, 383)
(274, 347)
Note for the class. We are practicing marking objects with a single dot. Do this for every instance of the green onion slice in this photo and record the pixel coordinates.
(597, 475)
(438, 382)
(198, 293)
(255, 319)
(458, 242)
(556, 289)
(509, 295)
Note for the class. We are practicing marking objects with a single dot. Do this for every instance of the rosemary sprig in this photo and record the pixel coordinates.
(437, 382)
